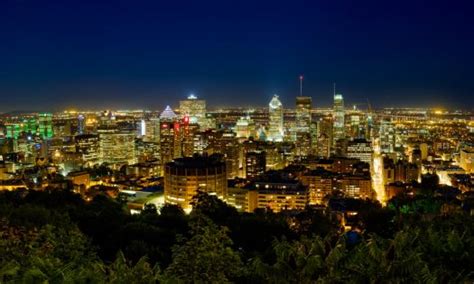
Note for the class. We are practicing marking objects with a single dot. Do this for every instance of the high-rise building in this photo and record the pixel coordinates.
(184, 177)
(338, 118)
(387, 136)
(314, 134)
(195, 109)
(303, 126)
(226, 143)
(303, 114)
(87, 145)
(245, 128)
(152, 130)
(275, 123)
(12, 130)
(117, 147)
(170, 136)
(45, 125)
(324, 135)
(360, 149)
(255, 164)
(80, 124)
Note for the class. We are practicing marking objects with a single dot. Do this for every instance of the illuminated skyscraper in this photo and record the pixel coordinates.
(45, 125)
(87, 145)
(275, 124)
(170, 136)
(324, 135)
(303, 124)
(80, 124)
(12, 130)
(338, 118)
(117, 147)
(152, 130)
(303, 114)
(360, 149)
(387, 136)
(195, 109)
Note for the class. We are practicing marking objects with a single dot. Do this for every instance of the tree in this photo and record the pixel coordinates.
(206, 257)
(40, 255)
(295, 262)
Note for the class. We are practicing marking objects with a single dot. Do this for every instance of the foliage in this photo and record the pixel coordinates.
(54, 236)
(205, 257)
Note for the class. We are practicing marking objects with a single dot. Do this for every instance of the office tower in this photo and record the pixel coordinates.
(170, 136)
(275, 123)
(45, 125)
(226, 143)
(87, 145)
(245, 127)
(360, 149)
(324, 131)
(338, 118)
(195, 109)
(152, 130)
(117, 147)
(357, 126)
(219, 142)
(12, 130)
(303, 125)
(62, 127)
(387, 136)
(303, 114)
(184, 177)
(369, 124)
(141, 128)
(188, 130)
(27, 126)
(80, 124)
(147, 152)
(255, 164)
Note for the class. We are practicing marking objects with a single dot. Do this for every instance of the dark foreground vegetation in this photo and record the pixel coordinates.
(56, 237)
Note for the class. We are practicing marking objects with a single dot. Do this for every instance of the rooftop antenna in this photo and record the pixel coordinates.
(301, 85)
(334, 86)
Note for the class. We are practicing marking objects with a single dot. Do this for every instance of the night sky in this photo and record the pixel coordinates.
(147, 54)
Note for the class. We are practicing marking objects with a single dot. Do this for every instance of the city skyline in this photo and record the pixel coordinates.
(57, 56)
(150, 141)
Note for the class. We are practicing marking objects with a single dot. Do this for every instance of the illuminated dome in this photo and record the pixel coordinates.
(275, 102)
(168, 113)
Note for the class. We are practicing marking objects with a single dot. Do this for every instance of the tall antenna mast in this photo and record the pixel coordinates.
(334, 88)
(301, 85)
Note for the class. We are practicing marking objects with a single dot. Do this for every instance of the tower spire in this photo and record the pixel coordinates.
(301, 85)
(334, 88)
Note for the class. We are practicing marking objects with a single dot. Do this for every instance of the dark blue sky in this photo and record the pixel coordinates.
(137, 53)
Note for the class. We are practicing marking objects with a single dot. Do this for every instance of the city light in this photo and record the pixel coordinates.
(234, 142)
